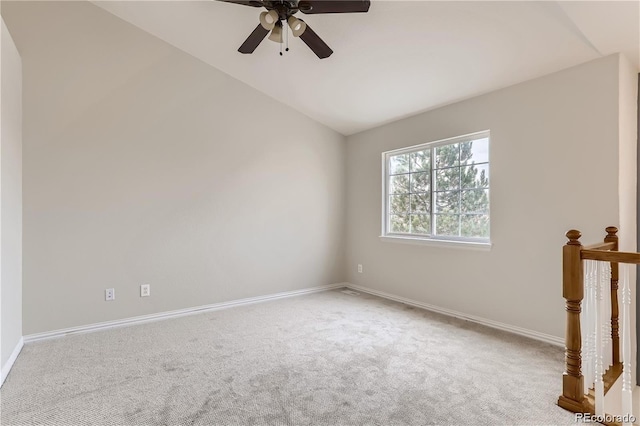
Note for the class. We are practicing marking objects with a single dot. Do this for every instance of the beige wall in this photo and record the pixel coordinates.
(554, 166)
(627, 123)
(143, 165)
(627, 187)
(10, 198)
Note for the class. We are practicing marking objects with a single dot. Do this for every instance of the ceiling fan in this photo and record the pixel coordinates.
(279, 11)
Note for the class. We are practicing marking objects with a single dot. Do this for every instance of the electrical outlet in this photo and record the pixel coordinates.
(145, 290)
(359, 268)
(110, 294)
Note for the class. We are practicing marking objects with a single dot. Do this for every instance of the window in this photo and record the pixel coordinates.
(438, 190)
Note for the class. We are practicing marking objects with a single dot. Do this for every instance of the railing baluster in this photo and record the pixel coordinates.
(586, 322)
(599, 383)
(612, 237)
(627, 397)
(605, 322)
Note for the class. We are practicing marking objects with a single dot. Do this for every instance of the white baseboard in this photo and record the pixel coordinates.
(4, 371)
(223, 305)
(548, 338)
(174, 314)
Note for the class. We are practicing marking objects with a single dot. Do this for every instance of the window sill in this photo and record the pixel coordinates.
(469, 245)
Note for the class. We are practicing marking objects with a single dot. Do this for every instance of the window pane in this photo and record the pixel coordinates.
(447, 224)
(439, 189)
(447, 155)
(419, 182)
(475, 226)
(476, 151)
(447, 179)
(399, 204)
(475, 176)
(399, 223)
(399, 164)
(448, 202)
(420, 161)
(475, 201)
(399, 184)
(420, 224)
(420, 203)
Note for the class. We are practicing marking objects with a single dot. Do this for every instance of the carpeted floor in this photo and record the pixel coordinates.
(322, 359)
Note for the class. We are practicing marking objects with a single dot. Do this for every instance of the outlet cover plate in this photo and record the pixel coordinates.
(145, 290)
(109, 294)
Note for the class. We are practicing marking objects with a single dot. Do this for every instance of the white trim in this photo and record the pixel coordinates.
(558, 341)
(89, 328)
(548, 338)
(471, 245)
(447, 141)
(6, 368)
(431, 146)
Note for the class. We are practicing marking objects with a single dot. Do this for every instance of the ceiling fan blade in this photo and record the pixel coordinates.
(311, 7)
(315, 43)
(253, 40)
(252, 3)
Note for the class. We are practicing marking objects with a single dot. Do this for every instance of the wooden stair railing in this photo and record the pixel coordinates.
(573, 397)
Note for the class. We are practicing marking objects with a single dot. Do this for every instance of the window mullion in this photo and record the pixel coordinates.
(410, 197)
(432, 189)
(460, 190)
(387, 195)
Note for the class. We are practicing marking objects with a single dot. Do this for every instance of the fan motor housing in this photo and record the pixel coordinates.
(285, 8)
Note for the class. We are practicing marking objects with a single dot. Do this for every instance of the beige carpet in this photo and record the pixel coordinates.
(322, 359)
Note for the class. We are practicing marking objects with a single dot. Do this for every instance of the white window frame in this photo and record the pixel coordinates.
(433, 240)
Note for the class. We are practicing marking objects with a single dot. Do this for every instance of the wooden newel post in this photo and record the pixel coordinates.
(572, 397)
(615, 324)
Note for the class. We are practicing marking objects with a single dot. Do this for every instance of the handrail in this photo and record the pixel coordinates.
(601, 246)
(611, 256)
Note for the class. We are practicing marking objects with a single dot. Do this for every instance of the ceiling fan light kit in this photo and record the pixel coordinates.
(283, 10)
(297, 26)
(276, 33)
(268, 19)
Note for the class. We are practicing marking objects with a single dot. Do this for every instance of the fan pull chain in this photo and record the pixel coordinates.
(287, 37)
(279, 24)
(285, 30)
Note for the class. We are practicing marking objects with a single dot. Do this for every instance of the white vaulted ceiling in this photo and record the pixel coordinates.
(401, 58)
